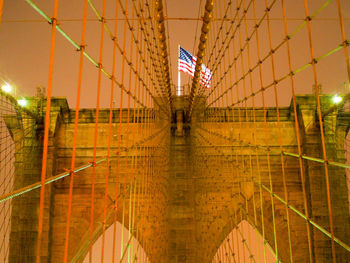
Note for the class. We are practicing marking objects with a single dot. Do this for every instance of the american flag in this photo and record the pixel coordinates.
(187, 64)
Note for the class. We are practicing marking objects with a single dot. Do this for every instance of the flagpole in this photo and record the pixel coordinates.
(178, 77)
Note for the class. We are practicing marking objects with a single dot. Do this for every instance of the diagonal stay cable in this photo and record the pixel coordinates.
(256, 27)
(127, 60)
(64, 34)
(150, 47)
(220, 29)
(320, 228)
(55, 178)
(131, 28)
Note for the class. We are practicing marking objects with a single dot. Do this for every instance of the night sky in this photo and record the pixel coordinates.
(25, 42)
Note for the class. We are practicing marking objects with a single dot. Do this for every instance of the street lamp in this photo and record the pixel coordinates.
(22, 102)
(337, 99)
(7, 88)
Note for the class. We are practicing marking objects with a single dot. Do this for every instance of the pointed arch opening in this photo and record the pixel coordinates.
(127, 247)
(244, 244)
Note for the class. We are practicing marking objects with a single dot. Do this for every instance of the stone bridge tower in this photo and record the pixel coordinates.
(200, 180)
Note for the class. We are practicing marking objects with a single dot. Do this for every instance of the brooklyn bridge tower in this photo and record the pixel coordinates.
(174, 131)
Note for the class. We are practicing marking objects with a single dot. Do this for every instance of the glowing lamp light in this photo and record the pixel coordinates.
(6, 88)
(337, 99)
(22, 102)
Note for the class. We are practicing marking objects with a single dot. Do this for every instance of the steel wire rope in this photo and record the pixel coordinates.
(213, 47)
(145, 150)
(298, 212)
(159, 16)
(240, 122)
(80, 168)
(251, 256)
(283, 77)
(51, 179)
(313, 62)
(343, 35)
(242, 161)
(17, 108)
(253, 135)
(112, 37)
(135, 158)
(242, 237)
(209, 6)
(217, 111)
(275, 49)
(166, 28)
(219, 31)
(257, 25)
(301, 165)
(215, 66)
(167, 18)
(163, 47)
(1, 10)
(273, 70)
(237, 166)
(226, 37)
(195, 34)
(139, 189)
(243, 241)
(80, 252)
(168, 37)
(221, 154)
(230, 248)
(46, 133)
(7, 168)
(232, 38)
(87, 243)
(100, 62)
(110, 119)
(58, 28)
(24, 132)
(257, 158)
(119, 143)
(302, 156)
(250, 163)
(264, 240)
(71, 183)
(129, 176)
(211, 40)
(150, 47)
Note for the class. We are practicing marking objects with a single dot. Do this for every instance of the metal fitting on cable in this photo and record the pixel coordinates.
(163, 48)
(209, 6)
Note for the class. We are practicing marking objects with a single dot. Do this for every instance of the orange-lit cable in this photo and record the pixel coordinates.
(253, 137)
(46, 130)
(301, 165)
(96, 131)
(273, 70)
(111, 107)
(345, 41)
(71, 183)
(129, 175)
(313, 62)
(1, 10)
(119, 135)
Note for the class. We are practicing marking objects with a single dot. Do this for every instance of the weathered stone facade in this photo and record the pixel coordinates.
(192, 187)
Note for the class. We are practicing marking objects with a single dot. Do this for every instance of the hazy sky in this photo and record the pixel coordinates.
(25, 41)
